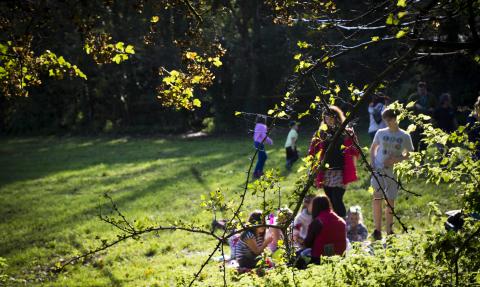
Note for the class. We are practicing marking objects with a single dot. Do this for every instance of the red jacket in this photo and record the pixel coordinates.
(350, 151)
(333, 231)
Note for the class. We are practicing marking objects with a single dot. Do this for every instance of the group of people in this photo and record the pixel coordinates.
(324, 227)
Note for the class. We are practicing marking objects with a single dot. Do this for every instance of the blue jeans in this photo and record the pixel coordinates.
(262, 158)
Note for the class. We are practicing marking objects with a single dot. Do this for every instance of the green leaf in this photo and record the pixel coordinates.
(117, 59)
(303, 45)
(129, 49)
(197, 103)
(119, 46)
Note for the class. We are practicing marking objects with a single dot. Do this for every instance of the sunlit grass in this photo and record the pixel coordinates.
(52, 191)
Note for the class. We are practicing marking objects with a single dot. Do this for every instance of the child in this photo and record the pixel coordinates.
(356, 230)
(276, 234)
(259, 137)
(390, 146)
(291, 145)
(252, 242)
(302, 221)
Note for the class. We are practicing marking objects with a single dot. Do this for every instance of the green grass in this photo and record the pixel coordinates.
(51, 193)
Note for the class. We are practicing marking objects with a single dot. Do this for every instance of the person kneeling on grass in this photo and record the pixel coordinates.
(390, 146)
(252, 242)
(327, 232)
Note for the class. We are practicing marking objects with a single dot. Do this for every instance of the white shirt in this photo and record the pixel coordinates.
(373, 127)
(293, 134)
(391, 144)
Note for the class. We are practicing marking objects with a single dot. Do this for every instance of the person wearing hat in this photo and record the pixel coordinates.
(291, 145)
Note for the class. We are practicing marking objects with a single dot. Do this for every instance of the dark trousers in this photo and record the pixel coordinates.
(335, 194)
(262, 158)
(292, 156)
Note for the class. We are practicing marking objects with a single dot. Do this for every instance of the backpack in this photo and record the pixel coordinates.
(377, 114)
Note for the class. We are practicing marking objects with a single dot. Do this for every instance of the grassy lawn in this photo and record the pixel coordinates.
(51, 194)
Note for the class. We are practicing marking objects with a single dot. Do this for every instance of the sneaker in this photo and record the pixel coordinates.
(377, 235)
(391, 233)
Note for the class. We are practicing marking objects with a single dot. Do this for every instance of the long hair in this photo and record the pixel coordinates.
(319, 204)
(337, 114)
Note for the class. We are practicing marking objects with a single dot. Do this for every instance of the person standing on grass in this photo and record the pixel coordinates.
(445, 114)
(425, 103)
(390, 146)
(291, 145)
(259, 139)
(340, 167)
(375, 109)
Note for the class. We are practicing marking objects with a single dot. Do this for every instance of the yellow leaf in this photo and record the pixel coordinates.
(119, 46)
(370, 190)
(323, 127)
(375, 38)
(238, 113)
(281, 114)
(154, 19)
(270, 112)
(190, 55)
(337, 89)
(400, 34)
(402, 3)
(197, 103)
(389, 19)
(402, 14)
(129, 49)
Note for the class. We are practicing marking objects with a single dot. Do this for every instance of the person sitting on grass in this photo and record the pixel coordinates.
(390, 146)
(276, 233)
(327, 232)
(302, 221)
(356, 230)
(252, 242)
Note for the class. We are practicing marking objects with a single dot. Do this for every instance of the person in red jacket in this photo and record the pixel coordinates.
(327, 232)
(340, 163)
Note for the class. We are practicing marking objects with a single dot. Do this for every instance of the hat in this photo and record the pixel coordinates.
(292, 123)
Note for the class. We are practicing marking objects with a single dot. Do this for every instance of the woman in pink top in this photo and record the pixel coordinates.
(259, 138)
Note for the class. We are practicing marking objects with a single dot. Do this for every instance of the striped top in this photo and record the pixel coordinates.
(242, 251)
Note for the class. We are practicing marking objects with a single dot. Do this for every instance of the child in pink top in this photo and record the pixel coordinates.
(259, 138)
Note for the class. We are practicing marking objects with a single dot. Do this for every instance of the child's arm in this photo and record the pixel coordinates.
(252, 245)
(373, 153)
